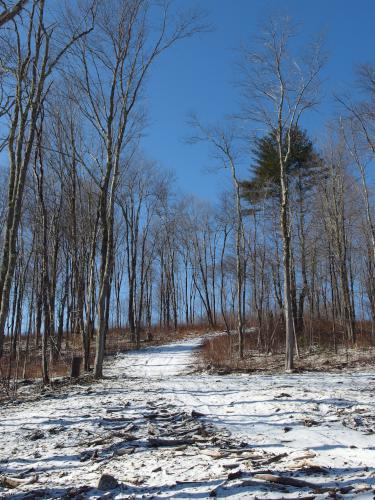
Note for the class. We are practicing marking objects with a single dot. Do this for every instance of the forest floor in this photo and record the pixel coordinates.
(157, 428)
(215, 357)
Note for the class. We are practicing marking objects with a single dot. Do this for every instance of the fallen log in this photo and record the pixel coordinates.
(155, 442)
(14, 482)
(230, 466)
(287, 481)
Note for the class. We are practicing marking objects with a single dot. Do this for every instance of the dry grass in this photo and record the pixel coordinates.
(317, 353)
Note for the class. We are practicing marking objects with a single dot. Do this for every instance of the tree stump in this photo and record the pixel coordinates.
(76, 366)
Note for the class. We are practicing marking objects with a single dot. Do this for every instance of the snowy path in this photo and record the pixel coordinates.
(158, 362)
(261, 408)
(302, 415)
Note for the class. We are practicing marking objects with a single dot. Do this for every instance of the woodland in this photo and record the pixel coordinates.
(154, 344)
(98, 251)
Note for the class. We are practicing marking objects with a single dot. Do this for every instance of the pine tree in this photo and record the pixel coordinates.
(303, 167)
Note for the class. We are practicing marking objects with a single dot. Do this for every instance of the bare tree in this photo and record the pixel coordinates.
(11, 11)
(279, 87)
(33, 62)
(223, 142)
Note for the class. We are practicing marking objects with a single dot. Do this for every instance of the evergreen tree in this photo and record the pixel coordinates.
(303, 167)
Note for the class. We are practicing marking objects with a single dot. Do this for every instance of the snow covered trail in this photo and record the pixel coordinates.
(280, 412)
(158, 362)
(323, 423)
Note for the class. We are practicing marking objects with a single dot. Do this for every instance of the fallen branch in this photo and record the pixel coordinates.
(14, 482)
(169, 442)
(230, 466)
(288, 481)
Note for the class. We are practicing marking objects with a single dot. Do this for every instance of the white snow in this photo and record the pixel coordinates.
(268, 412)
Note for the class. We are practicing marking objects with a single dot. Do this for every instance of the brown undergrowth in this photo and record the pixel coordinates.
(220, 353)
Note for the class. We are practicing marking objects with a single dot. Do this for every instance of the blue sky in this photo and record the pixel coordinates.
(198, 75)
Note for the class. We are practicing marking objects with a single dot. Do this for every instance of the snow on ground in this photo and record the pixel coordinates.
(320, 425)
(261, 407)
